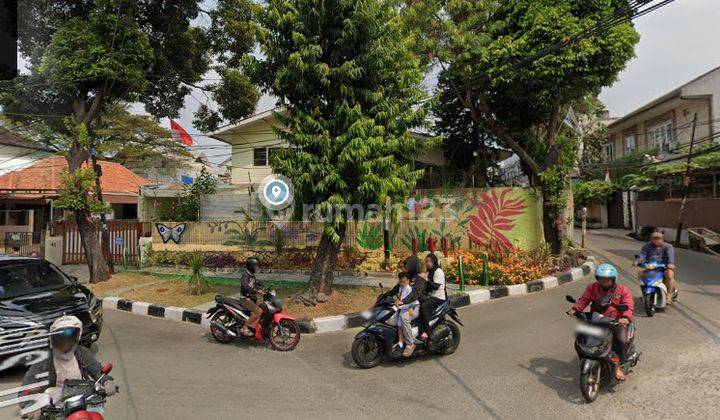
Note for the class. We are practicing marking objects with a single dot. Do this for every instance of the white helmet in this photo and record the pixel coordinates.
(65, 334)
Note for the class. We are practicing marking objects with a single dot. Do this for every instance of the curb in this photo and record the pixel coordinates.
(353, 320)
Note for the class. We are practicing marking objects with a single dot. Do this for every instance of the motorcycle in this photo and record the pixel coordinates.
(80, 399)
(653, 289)
(593, 344)
(378, 338)
(228, 317)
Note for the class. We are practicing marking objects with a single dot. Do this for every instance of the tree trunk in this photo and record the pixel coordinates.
(555, 224)
(97, 265)
(322, 274)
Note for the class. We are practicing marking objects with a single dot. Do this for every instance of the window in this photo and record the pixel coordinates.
(260, 156)
(630, 144)
(27, 277)
(608, 152)
(662, 137)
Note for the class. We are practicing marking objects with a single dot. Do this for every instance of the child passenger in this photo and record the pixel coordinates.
(405, 301)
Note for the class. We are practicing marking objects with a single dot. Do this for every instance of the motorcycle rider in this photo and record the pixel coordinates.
(66, 360)
(249, 288)
(436, 290)
(604, 295)
(659, 250)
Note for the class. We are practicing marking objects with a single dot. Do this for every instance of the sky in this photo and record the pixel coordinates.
(677, 43)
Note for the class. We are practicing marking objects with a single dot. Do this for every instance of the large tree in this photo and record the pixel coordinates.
(345, 74)
(518, 64)
(85, 55)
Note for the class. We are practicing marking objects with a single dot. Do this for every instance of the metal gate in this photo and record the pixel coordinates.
(24, 243)
(616, 210)
(124, 237)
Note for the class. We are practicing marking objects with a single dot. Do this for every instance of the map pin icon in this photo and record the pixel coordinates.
(276, 191)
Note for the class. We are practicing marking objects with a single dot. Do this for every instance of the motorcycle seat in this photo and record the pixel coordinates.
(235, 303)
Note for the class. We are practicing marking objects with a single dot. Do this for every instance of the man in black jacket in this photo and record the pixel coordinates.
(249, 288)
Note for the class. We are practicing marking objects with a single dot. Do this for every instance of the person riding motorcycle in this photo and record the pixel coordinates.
(66, 360)
(659, 250)
(603, 296)
(249, 289)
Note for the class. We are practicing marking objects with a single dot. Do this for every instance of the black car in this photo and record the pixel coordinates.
(33, 294)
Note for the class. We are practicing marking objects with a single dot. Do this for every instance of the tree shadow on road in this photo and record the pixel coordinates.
(558, 375)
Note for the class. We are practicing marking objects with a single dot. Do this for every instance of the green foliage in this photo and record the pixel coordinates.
(416, 233)
(345, 73)
(245, 236)
(370, 236)
(197, 280)
(279, 241)
(187, 208)
(595, 191)
(75, 192)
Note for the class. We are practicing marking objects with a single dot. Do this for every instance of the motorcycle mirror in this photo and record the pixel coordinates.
(637, 256)
(570, 299)
(622, 307)
(107, 368)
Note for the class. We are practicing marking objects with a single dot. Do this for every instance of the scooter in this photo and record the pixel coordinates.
(593, 344)
(378, 338)
(79, 399)
(228, 317)
(653, 289)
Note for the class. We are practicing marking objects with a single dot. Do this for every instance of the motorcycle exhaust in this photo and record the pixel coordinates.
(222, 328)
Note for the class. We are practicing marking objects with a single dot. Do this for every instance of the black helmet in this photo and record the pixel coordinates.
(252, 264)
(412, 265)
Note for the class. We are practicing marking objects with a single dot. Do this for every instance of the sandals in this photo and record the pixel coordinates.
(409, 349)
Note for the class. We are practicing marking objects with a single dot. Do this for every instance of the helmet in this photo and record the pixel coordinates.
(606, 271)
(65, 335)
(252, 264)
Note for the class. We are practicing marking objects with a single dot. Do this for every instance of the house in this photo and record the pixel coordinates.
(665, 123)
(179, 170)
(34, 188)
(17, 152)
(253, 142)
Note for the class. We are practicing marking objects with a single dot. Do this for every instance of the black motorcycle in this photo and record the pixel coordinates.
(378, 338)
(593, 344)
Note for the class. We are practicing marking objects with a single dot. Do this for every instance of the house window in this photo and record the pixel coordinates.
(608, 152)
(662, 137)
(260, 156)
(630, 144)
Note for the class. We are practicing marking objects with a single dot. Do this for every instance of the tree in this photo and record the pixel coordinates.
(519, 64)
(187, 207)
(470, 149)
(346, 75)
(85, 55)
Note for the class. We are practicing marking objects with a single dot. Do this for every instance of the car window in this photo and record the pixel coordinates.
(26, 277)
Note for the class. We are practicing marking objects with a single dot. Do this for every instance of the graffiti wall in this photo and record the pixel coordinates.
(497, 218)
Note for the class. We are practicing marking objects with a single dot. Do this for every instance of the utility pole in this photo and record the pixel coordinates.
(104, 235)
(686, 184)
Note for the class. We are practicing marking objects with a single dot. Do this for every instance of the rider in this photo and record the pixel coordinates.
(66, 360)
(249, 288)
(436, 291)
(604, 295)
(659, 250)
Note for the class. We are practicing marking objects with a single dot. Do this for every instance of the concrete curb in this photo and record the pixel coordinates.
(353, 320)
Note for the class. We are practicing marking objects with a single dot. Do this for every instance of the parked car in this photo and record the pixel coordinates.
(33, 293)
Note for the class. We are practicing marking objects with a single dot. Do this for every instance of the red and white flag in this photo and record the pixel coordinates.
(607, 175)
(184, 136)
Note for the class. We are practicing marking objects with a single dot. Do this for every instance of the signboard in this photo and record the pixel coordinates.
(119, 240)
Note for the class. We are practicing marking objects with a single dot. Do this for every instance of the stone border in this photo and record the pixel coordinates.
(353, 320)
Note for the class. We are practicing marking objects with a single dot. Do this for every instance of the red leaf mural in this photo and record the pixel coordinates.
(495, 218)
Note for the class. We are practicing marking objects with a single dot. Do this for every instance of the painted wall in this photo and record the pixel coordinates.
(499, 219)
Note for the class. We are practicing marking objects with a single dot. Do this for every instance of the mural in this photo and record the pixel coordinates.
(495, 218)
(170, 233)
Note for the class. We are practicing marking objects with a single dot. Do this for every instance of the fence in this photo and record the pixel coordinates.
(124, 236)
(494, 218)
(699, 212)
(24, 243)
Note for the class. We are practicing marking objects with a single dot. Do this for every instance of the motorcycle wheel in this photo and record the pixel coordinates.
(649, 304)
(284, 335)
(590, 383)
(367, 352)
(222, 317)
(453, 340)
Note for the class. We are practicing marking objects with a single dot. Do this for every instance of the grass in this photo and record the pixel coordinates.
(173, 290)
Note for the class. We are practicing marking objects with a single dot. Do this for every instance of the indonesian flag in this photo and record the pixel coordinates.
(607, 174)
(184, 136)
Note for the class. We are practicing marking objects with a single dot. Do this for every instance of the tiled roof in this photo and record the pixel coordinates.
(45, 175)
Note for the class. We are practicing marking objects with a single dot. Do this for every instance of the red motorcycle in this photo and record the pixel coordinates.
(228, 317)
(78, 396)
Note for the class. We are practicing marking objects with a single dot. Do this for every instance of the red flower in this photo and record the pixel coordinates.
(495, 215)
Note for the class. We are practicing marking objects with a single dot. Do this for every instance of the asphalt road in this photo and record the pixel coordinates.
(516, 360)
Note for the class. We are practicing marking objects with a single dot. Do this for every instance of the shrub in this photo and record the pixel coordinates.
(197, 280)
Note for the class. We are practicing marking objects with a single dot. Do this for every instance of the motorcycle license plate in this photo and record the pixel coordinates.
(590, 330)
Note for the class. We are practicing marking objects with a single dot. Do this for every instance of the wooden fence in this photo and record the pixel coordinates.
(124, 237)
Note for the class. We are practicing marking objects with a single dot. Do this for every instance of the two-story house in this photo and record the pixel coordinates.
(665, 124)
